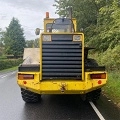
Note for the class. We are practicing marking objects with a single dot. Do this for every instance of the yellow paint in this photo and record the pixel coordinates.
(40, 57)
(54, 87)
(83, 74)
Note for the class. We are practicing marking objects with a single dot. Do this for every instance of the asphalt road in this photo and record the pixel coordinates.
(52, 107)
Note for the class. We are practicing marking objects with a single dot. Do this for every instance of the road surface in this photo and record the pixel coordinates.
(52, 107)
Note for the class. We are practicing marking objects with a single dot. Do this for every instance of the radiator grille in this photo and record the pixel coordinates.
(61, 58)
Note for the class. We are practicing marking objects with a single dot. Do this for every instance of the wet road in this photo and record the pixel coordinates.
(52, 107)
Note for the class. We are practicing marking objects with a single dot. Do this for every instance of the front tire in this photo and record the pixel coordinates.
(30, 97)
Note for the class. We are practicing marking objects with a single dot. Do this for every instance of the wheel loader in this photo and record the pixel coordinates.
(61, 64)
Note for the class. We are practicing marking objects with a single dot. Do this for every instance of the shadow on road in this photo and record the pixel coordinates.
(59, 107)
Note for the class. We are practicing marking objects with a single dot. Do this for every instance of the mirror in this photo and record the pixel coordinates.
(37, 31)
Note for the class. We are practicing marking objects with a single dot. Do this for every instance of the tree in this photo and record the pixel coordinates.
(1, 36)
(107, 34)
(29, 43)
(85, 11)
(1, 42)
(36, 43)
(14, 39)
(98, 18)
(32, 43)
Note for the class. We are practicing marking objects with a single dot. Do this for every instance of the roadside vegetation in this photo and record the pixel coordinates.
(99, 20)
(9, 69)
(12, 44)
(9, 63)
(112, 89)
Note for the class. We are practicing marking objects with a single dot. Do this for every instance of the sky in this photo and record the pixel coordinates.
(30, 13)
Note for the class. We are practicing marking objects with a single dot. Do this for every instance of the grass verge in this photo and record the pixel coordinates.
(9, 69)
(112, 89)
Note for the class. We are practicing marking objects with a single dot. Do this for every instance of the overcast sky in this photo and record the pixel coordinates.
(30, 13)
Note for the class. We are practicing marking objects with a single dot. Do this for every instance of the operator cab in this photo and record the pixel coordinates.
(60, 25)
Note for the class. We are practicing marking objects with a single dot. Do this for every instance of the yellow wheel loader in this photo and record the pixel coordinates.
(61, 64)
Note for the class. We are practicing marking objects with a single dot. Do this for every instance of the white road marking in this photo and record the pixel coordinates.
(13, 72)
(5, 75)
(97, 111)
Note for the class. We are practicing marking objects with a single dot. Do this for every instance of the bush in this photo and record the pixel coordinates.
(4, 64)
(110, 58)
(2, 57)
(112, 88)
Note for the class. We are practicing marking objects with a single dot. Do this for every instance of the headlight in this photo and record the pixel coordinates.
(77, 38)
(46, 38)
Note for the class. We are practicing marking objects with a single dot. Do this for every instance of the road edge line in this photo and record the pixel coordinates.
(97, 111)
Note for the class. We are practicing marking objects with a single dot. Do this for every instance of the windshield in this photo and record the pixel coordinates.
(61, 25)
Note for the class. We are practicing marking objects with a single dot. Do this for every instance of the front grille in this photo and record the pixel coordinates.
(61, 58)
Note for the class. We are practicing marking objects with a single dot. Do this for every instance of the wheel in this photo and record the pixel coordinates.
(90, 63)
(30, 97)
(94, 95)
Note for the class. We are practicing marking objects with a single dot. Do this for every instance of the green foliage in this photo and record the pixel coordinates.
(29, 43)
(4, 64)
(2, 57)
(1, 51)
(85, 11)
(36, 43)
(98, 18)
(110, 58)
(1, 36)
(112, 89)
(32, 43)
(1, 42)
(14, 38)
(106, 34)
